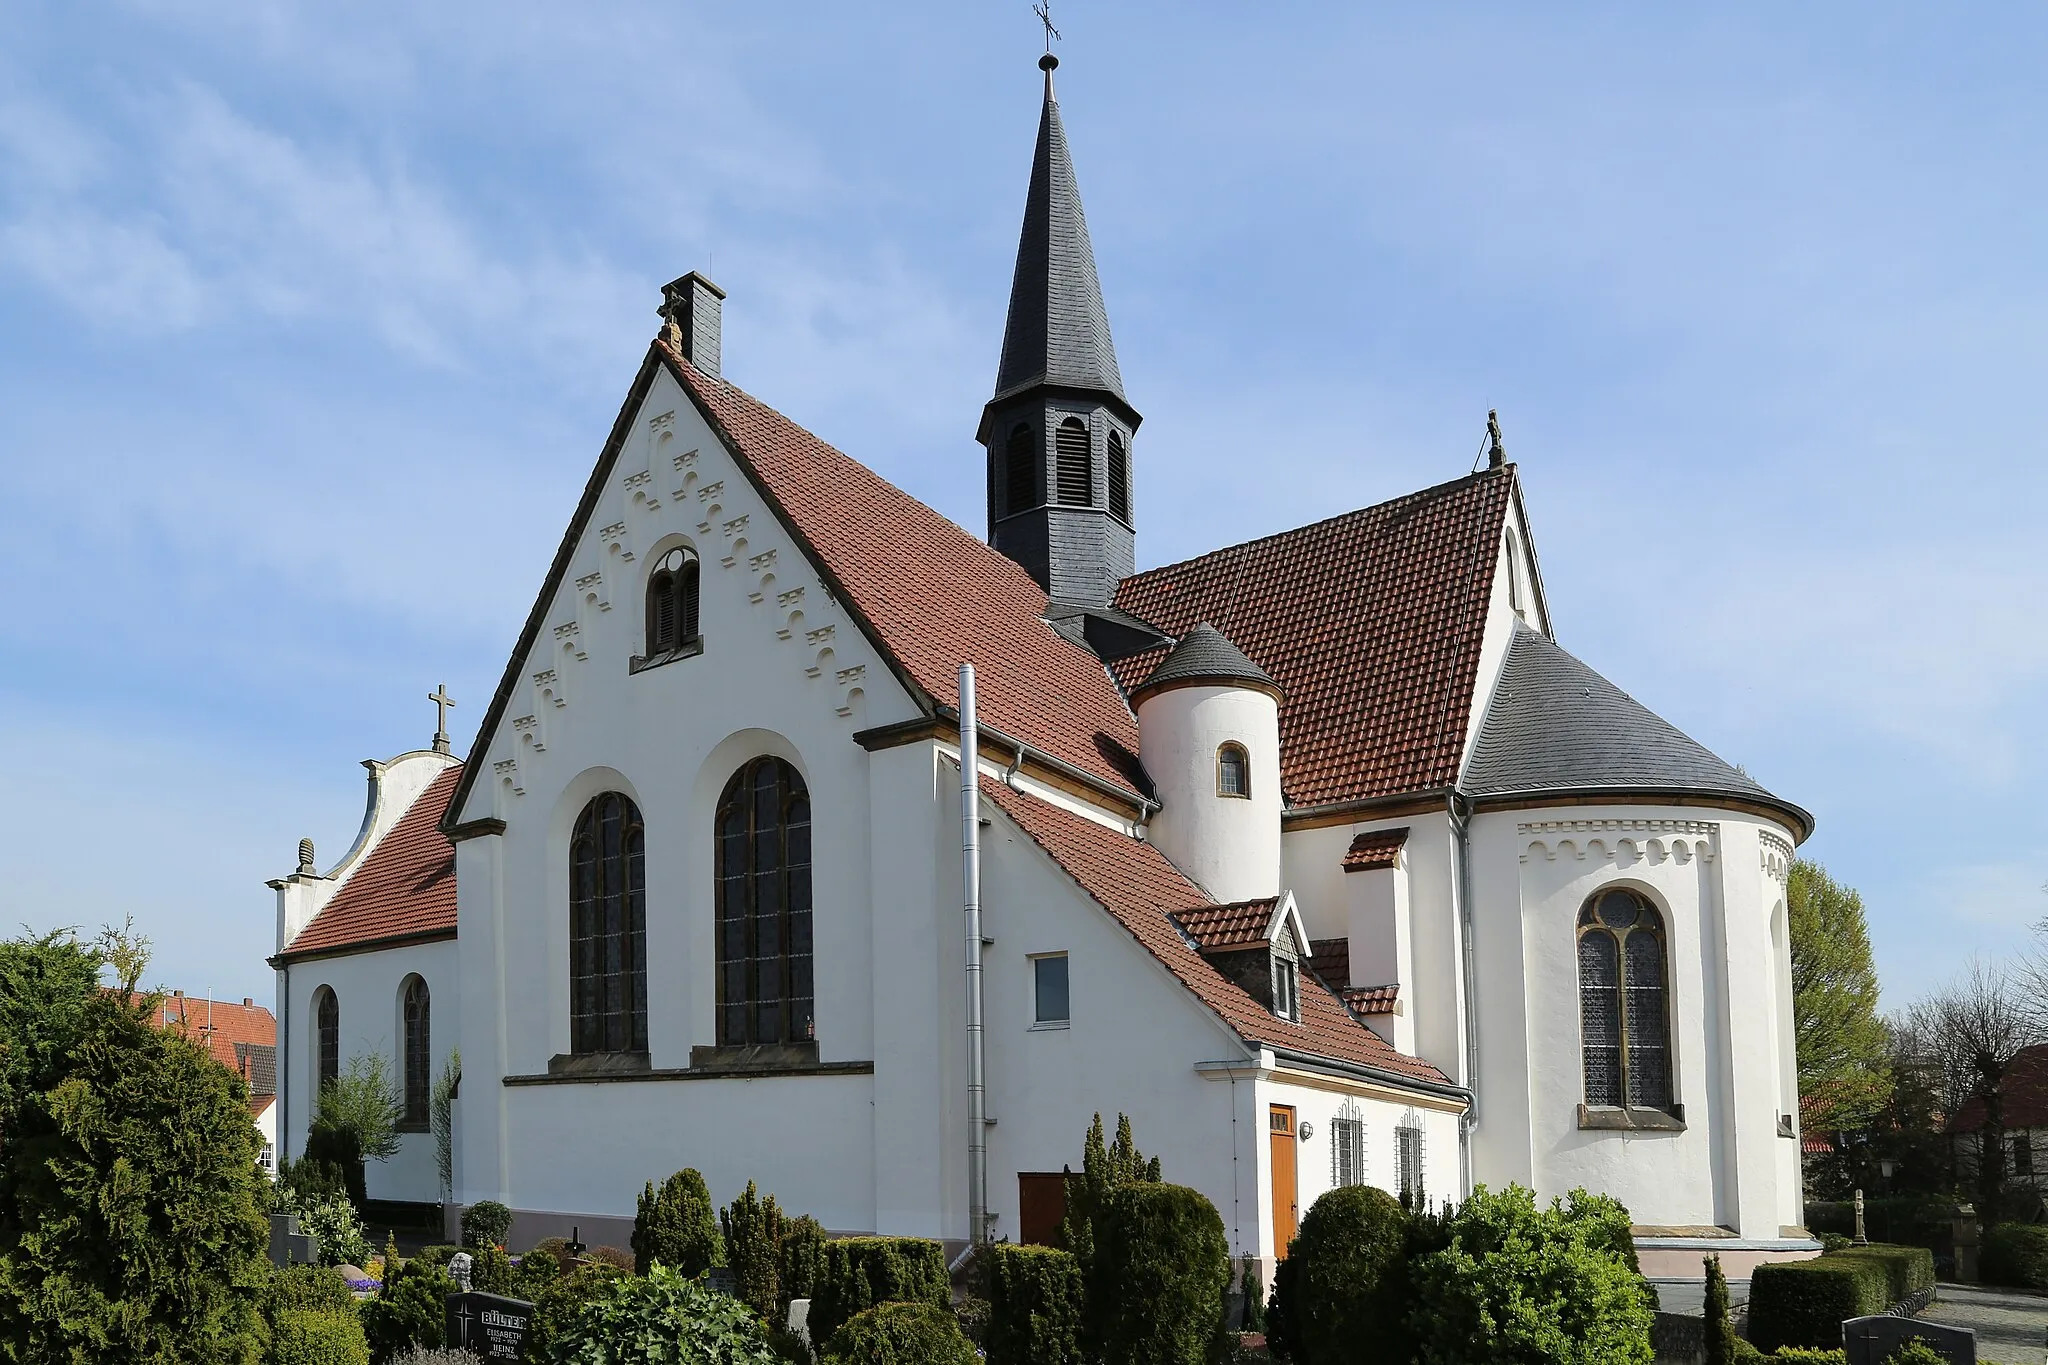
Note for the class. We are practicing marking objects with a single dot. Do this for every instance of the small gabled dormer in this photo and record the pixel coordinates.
(1257, 944)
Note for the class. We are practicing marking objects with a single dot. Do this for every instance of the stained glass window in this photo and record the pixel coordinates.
(1624, 1003)
(608, 928)
(765, 992)
(327, 1037)
(418, 1050)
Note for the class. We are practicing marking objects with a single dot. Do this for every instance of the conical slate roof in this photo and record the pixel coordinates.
(1206, 655)
(1058, 331)
(1557, 726)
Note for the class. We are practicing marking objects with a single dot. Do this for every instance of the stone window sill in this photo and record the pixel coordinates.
(412, 1126)
(689, 649)
(595, 1064)
(1604, 1119)
(1051, 1026)
(756, 1057)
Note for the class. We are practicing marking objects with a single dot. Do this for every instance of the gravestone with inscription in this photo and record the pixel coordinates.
(492, 1326)
(1873, 1341)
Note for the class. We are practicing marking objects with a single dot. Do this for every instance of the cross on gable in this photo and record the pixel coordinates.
(442, 701)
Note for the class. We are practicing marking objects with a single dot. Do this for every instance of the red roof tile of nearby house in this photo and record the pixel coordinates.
(1136, 883)
(934, 596)
(259, 1103)
(404, 888)
(2024, 1092)
(1372, 999)
(1371, 624)
(1218, 928)
(1330, 960)
(219, 1024)
(1375, 848)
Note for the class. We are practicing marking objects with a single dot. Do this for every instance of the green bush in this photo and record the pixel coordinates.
(1905, 1220)
(536, 1268)
(490, 1272)
(437, 1355)
(331, 1145)
(677, 1226)
(1349, 1291)
(2015, 1254)
(560, 1301)
(439, 1254)
(613, 1256)
(662, 1319)
(1519, 1283)
(1035, 1305)
(900, 1334)
(1161, 1266)
(1907, 1270)
(1804, 1303)
(311, 1288)
(410, 1310)
(1809, 1355)
(302, 1337)
(1280, 1339)
(336, 1232)
(800, 1262)
(752, 1231)
(486, 1223)
(861, 1272)
(1915, 1352)
(1717, 1334)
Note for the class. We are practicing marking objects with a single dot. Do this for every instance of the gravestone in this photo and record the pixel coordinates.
(492, 1326)
(1873, 1341)
(289, 1246)
(722, 1279)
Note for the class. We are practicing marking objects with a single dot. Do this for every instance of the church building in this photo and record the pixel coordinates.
(1317, 855)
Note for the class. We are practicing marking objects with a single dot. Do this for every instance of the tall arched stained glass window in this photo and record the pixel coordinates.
(608, 928)
(417, 1008)
(765, 990)
(1624, 1003)
(326, 1039)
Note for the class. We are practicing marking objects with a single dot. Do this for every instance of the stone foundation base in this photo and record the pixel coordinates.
(1683, 1258)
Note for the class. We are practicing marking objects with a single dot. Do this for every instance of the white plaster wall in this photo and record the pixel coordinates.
(366, 987)
(1229, 846)
(1322, 1100)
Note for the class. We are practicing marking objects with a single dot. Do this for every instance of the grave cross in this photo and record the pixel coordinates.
(442, 701)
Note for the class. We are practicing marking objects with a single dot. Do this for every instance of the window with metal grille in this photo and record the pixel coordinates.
(1022, 488)
(1624, 1010)
(764, 907)
(1119, 477)
(1286, 988)
(326, 1037)
(1347, 1147)
(608, 928)
(1071, 463)
(1408, 1164)
(1233, 771)
(672, 603)
(417, 1008)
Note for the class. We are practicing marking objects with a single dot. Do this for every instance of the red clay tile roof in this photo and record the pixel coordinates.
(1371, 624)
(1375, 848)
(219, 1024)
(1220, 927)
(2024, 1091)
(1373, 999)
(933, 595)
(1330, 960)
(259, 1103)
(1134, 882)
(405, 887)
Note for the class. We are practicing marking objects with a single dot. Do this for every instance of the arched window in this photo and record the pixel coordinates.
(417, 1008)
(1119, 477)
(1071, 463)
(1624, 1014)
(672, 603)
(1233, 771)
(608, 928)
(1021, 484)
(764, 907)
(326, 1040)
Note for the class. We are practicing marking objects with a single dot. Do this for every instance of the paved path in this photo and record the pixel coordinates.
(2011, 1326)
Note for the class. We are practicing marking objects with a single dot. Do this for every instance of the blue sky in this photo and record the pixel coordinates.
(312, 320)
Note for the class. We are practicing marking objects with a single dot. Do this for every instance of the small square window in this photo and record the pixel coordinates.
(1049, 989)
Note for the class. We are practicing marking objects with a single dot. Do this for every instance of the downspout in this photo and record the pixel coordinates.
(282, 1076)
(970, 876)
(1460, 812)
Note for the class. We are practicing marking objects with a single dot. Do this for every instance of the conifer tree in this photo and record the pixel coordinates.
(1718, 1334)
(1104, 1168)
(677, 1225)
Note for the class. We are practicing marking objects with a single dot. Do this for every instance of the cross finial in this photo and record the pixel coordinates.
(1496, 452)
(1044, 13)
(442, 701)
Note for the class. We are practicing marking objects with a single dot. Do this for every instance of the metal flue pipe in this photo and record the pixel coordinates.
(970, 877)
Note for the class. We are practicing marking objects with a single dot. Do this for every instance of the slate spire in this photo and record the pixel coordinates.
(1059, 428)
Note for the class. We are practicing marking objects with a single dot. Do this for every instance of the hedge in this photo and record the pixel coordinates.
(1034, 1306)
(311, 1288)
(1158, 1276)
(861, 1272)
(1348, 1296)
(2015, 1254)
(1908, 1269)
(1804, 1303)
(304, 1337)
(900, 1334)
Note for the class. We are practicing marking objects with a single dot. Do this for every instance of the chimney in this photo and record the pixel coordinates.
(692, 308)
(248, 1002)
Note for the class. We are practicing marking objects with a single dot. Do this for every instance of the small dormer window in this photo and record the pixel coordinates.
(1233, 771)
(672, 604)
(1286, 988)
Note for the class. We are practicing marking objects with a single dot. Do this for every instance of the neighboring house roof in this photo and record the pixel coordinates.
(1375, 848)
(1220, 928)
(1370, 623)
(241, 1036)
(1136, 884)
(2024, 1093)
(259, 1104)
(1556, 726)
(404, 888)
(1330, 960)
(1204, 655)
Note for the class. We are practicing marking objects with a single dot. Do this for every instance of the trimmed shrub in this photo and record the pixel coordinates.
(800, 1263)
(439, 1254)
(336, 1232)
(1809, 1355)
(1161, 1265)
(1349, 1292)
(560, 1302)
(861, 1272)
(1520, 1284)
(490, 1271)
(1717, 1334)
(662, 1317)
(617, 1257)
(1280, 1339)
(1035, 1304)
(486, 1223)
(410, 1311)
(1919, 1220)
(536, 1268)
(312, 1288)
(331, 1144)
(1804, 1303)
(1251, 1297)
(677, 1226)
(303, 1337)
(2015, 1254)
(1915, 1352)
(1907, 1270)
(900, 1334)
(752, 1231)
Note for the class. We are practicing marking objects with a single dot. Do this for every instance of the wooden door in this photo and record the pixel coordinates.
(1286, 1209)
(1041, 1207)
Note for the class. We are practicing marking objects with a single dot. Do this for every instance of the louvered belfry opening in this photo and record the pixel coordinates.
(1021, 483)
(1070, 453)
(672, 603)
(1119, 478)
